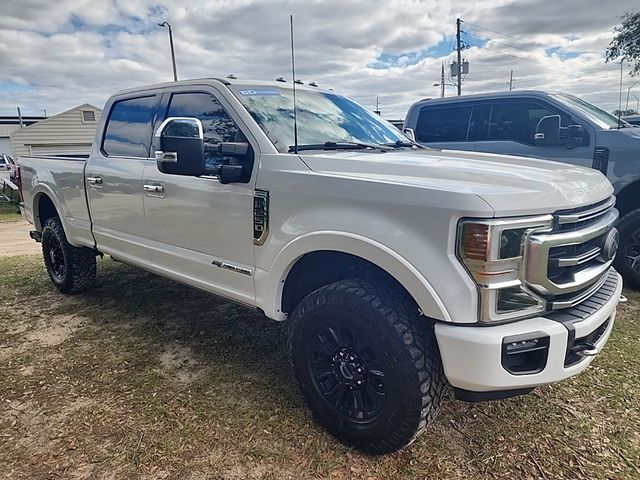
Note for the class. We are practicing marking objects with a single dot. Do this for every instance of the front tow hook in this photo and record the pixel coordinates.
(585, 350)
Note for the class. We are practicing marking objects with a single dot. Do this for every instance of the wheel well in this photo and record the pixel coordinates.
(627, 199)
(46, 209)
(317, 269)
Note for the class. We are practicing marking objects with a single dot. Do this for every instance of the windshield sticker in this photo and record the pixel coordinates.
(259, 93)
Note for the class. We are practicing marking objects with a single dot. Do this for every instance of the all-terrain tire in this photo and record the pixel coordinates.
(380, 328)
(71, 269)
(629, 228)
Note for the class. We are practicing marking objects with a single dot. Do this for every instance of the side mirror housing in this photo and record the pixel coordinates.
(410, 134)
(548, 131)
(179, 146)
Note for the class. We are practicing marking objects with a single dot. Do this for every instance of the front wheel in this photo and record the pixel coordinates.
(627, 260)
(71, 269)
(367, 364)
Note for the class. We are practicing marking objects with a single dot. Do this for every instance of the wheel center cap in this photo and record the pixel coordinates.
(345, 371)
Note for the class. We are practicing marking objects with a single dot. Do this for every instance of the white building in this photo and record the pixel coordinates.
(68, 133)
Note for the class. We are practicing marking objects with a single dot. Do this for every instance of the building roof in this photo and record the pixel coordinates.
(85, 106)
(15, 120)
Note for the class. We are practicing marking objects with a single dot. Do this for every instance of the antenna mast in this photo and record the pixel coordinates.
(293, 75)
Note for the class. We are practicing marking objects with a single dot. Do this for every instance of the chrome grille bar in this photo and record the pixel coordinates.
(578, 259)
(588, 214)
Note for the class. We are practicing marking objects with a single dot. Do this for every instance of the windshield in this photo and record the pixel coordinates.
(595, 114)
(323, 117)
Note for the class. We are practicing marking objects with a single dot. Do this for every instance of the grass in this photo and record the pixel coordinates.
(144, 378)
(9, 212)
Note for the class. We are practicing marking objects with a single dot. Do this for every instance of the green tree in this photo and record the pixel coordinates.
(626, 42)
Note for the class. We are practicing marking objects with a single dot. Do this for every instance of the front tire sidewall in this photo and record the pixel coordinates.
(629, 225)
(399, 419)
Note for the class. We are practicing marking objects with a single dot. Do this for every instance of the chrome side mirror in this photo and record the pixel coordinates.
(179, 146)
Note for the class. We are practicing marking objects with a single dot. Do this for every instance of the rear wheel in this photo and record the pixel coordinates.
(367, 364)
(628, 258)
(71, 269)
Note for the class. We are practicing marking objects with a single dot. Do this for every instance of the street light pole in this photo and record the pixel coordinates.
(173, 53)
(628, 92)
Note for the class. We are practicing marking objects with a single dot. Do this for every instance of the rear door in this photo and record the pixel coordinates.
(201, 231)
(512, 127)
(446, 126)
(113, 178)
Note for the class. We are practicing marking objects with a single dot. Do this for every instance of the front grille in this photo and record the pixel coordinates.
(571, 261)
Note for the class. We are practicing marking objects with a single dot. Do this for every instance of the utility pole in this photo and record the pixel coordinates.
(20, 117)
(173, 53)
(442, 81)
(511, 81)
(377, 110)
(459, 50)
(637, 103)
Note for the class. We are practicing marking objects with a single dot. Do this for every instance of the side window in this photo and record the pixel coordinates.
(218, 126)
(128, 131)
(443, 124)
(517, 121)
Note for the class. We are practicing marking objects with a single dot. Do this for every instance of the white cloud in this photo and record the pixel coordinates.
(56, 55)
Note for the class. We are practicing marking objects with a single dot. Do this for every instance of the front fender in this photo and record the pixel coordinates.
(269, 284)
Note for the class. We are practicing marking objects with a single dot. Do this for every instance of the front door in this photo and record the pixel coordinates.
(512, 127)
(201, 231)
(113, 179)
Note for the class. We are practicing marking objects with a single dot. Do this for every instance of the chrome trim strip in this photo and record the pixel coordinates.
(578, 259)
(586, 214)
(579, 298)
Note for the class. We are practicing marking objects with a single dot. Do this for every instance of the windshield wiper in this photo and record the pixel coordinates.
(339, 146)
(404, 143)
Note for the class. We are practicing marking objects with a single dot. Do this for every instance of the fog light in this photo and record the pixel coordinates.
(525, 354)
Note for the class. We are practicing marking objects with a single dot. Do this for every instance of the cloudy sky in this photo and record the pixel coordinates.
(56, 55)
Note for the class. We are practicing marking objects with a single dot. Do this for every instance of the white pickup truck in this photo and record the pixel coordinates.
(400, 269)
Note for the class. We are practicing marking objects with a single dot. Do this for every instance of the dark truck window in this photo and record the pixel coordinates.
(128, 132)
(517, 121)
(443, 124)
(218, 126)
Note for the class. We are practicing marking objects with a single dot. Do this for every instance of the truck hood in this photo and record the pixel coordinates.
(510, 185)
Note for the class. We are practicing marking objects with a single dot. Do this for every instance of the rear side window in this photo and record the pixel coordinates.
(443, 124)
(128, 131)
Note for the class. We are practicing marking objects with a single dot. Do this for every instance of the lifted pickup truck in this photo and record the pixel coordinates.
(400, 269)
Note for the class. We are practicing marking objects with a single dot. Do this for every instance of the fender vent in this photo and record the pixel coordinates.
(260, 216)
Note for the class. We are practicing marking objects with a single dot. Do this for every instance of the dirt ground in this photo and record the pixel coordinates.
(143, 378)
(15, 240)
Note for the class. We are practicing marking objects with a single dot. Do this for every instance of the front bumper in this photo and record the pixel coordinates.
(473, 356)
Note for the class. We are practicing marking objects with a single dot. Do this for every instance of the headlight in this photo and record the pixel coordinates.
(493, 252)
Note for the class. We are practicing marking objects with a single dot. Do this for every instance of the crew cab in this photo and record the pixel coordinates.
(551, 125)
(400, 270)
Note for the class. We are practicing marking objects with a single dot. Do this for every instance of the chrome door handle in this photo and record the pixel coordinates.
(94, 180)
(153, 188)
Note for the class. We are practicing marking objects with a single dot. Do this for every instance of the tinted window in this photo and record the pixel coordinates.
(128, 132)
(443, 124)
(517, 121)
(218, 126)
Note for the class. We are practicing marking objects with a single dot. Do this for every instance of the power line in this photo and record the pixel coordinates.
(493, 31)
